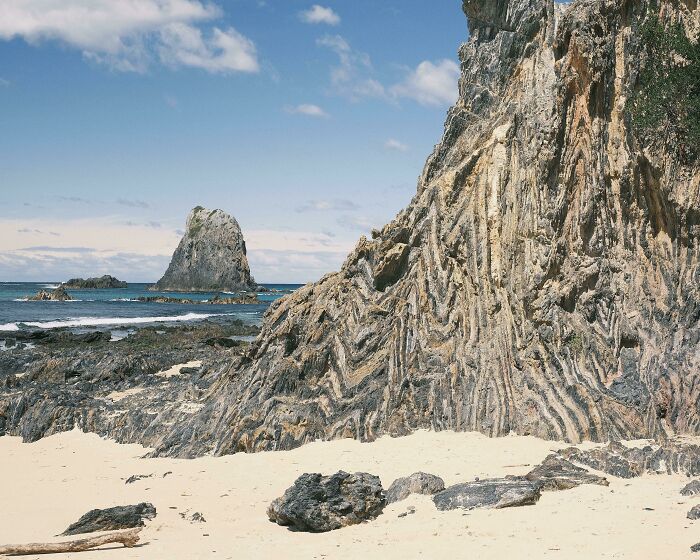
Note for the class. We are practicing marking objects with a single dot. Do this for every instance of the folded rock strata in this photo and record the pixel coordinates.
(544, 279)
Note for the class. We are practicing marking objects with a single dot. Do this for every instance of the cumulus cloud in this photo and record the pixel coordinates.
(431, 83)
(394, 145)
(320, 14)
(308, 110)
(353, 75)
(131, 35)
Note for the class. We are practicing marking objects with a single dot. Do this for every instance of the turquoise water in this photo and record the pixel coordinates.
(93, 309)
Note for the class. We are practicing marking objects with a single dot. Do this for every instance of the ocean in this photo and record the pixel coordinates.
(118, 308)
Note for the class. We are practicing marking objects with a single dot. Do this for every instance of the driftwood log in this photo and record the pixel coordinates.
(127, 538)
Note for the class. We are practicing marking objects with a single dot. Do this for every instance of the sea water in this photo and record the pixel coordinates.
(94, 309)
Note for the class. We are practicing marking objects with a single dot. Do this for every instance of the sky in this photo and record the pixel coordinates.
(310, 123)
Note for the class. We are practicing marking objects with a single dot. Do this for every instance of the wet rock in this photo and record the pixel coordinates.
(556, 473)
(492, 493)
(317, 503)
(59, 294)
(694, 513)
(691, 489)
(417, 483)
(112, 519)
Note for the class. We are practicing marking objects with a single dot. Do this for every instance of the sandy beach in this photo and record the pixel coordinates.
(47, 485)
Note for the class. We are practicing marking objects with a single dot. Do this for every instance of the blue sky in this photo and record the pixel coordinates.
(310, 123)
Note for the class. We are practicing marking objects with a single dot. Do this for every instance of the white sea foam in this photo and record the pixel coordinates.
(50, 286)
(107, 321)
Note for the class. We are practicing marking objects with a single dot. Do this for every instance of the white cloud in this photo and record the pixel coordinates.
(326, 205)
(431, 84)
(129, 35)
(352, 77)
(308, 110)
(320, 14)
(395, 145)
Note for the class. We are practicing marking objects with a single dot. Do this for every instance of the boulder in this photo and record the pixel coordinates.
(492, 493)
(695, 548)
(691, 489)
(694, 513)
(112, 519)
(317, 503)
(417, 483)
(556, 473)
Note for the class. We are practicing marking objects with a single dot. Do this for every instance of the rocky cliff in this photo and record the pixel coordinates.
(211, 256)
(544, 280)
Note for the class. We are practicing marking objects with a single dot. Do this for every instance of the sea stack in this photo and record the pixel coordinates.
(211, 256)
(542, 281)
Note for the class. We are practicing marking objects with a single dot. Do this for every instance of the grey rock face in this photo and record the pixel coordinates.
(112, 519)
(417, 483)
(694, 514)
(211, 256)
(493, 494)
(556, 473)
(629, 462)
(102, 283)
(317, 503)
(691, 489)
(530, 285)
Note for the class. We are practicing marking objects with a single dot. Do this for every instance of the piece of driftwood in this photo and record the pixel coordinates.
(127, 538)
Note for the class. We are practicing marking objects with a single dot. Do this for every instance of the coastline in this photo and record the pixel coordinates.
(50, 483)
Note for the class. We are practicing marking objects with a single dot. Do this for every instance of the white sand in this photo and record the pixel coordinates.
(47, 485)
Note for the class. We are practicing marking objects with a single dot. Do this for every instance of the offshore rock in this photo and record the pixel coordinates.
(105, 282)
(417, 483)
(556, 473)
(494, 494)
(112, 519)
(629, 462)
(317, 503)
(211, 256)
(544, 279)
(59, 294)
(691, 489)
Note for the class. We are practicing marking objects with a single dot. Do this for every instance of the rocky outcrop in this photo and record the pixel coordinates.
(211, 256)
(105, 282)
(629, 462)
(245, 299)
(112, 519)
(493, 494)
(417, 483)
(691, 489)
(114, 389)
(317, 503)
(556, 473)
(59, 294)
(544, 280)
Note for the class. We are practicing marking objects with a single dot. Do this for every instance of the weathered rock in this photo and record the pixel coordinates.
(417, 483)
(695, 548)
(59, 294)
(531, 284)
(211, 256)
(317, 503)
(694, 514)
(556, 473)
(87, 381)
(493, 493)
(112, 519)
(105, 282)
(629, 462)
(691, 489)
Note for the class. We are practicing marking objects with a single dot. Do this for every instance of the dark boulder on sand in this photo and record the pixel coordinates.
(112, 519)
